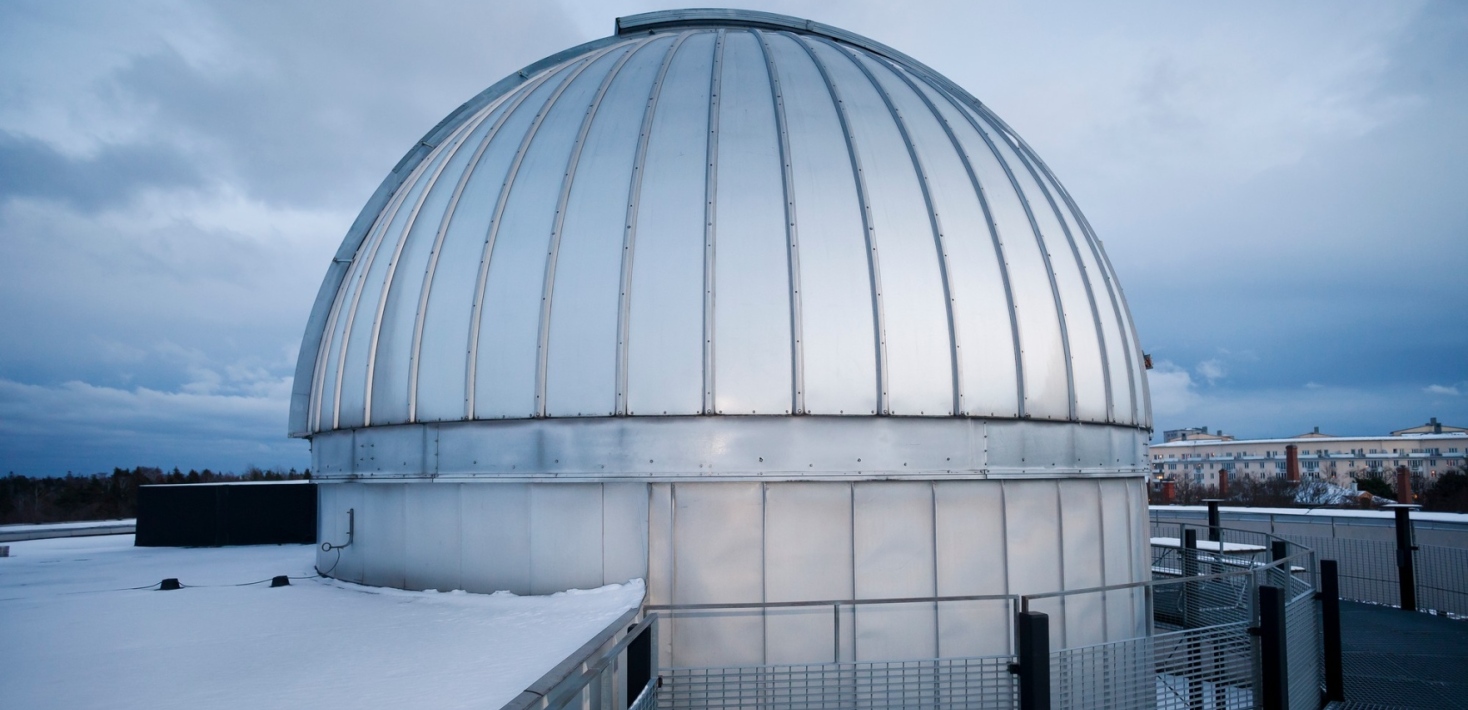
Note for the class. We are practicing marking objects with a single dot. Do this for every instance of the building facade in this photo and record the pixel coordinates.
(1322, 456)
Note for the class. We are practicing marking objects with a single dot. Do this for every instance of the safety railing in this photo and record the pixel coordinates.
(1205, 635)
(1237, 619)
(833, 676)
(1400, 573)
(615, 669)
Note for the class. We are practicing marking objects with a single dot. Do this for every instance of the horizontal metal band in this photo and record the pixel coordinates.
(730, 448)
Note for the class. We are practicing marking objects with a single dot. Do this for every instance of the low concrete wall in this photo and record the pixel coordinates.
(45, 531)
(1444, 529)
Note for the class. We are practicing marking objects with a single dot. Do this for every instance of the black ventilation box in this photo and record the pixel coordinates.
(217, 514)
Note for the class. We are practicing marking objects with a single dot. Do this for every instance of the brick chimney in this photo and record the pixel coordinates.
(1292, 463)
(1169, 492)
(1222, 483)
(1404, 485)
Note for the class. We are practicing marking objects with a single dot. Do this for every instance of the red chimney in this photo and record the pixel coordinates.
(1169, 491)
(1222, 483)
(1292, 463)
(1404, 485)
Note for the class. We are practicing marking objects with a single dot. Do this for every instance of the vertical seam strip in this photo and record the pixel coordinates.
(385, 220)
(1080, 266)
(711, 185)
(629, 235)
(1044, 255)
(553, 252)
(994, 237)
(446, 154)
(1118, 299)
(797, 351)
(955, 383)
(494, 224)
(868, 230)
(443, 229)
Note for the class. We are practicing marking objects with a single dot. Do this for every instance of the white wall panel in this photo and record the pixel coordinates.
(624, 532)
(565, 537)
(718, 546)
(893, 551)
(382, 535)
(433, 536)
(807, 527)
(969, 521)
(1080, 522)
(495, 550)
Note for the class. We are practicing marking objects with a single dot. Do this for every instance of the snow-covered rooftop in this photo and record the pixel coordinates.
(79, 634)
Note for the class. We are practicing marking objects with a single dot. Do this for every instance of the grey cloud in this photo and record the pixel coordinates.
(31, 168)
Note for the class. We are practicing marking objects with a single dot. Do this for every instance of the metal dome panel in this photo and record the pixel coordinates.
(719, 212)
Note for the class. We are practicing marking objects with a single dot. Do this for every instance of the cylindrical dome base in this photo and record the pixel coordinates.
(741, 542)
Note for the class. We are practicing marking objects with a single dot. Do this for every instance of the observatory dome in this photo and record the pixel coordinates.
(720, 214)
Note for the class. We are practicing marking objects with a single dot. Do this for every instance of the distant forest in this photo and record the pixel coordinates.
(101, 496)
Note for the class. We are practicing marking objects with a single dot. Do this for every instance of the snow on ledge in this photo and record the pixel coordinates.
(79, 637)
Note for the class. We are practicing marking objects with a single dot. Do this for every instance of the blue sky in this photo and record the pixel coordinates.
(1283, 190)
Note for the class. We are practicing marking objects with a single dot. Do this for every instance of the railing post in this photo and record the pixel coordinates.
(1330, 621)
(1406, 545)
(642, 661)
(1034, 660)
(1278, 550)
(1215, 533)
(1190, 570)
(1273, 653)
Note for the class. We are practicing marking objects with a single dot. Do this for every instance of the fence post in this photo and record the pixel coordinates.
(642, 662)
(1406, 545)
(1034, 660)
(1330, 621)
(1190, 570)
(1214, 532)
(1273, 654)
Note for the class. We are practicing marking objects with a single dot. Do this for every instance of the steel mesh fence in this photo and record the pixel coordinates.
(647, 699)
(1442, 579)
(1302, 643)
(1195, 668)
(977, 683)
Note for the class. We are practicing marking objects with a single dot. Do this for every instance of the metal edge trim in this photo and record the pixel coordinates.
(711, 185)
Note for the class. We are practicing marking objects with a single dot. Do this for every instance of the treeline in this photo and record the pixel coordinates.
(101, 496)
(1447, 493)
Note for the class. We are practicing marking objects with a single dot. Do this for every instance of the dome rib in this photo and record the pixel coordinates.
(496, 221)
(952, 276)
(543, 336)
(629, 234)
(791, 232)
(978, 189)
(868, 232)
(934, 221)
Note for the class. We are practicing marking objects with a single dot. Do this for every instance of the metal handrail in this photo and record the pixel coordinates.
(831, 602)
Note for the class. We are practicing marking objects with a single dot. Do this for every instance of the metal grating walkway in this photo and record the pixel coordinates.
(1398, 659)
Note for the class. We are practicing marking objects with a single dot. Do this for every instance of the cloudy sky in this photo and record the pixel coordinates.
(1283, 189)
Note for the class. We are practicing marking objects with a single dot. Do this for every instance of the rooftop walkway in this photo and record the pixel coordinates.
(1402, 659)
